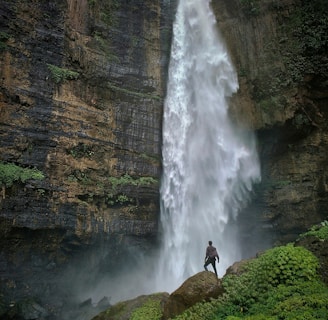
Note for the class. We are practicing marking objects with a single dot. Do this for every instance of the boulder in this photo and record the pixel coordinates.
(201, 287)
(237, 268)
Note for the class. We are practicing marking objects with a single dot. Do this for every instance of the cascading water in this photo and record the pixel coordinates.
(209, 167)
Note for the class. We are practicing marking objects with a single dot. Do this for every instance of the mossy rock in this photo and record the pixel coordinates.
(133, 309)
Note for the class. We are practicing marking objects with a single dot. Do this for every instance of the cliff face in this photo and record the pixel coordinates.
(81, 94)
(279, 50)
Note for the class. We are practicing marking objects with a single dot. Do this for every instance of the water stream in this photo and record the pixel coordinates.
(208, 165)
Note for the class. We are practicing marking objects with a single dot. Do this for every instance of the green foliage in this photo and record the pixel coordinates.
(280, 284)
(112, 199)
(122, 198)
(254, 317)
(284, 295)
(300, 307)
(60, 74)
(128, 180)
(279, 266)
(151, 310)
(10, 173)
(320, 231)
(200, 311)
(274, 276)
(303, 307)
(117, 195)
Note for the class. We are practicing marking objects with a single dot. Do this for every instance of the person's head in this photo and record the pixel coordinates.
(210, 243)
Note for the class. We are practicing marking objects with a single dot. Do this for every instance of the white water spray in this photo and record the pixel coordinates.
(208, 167)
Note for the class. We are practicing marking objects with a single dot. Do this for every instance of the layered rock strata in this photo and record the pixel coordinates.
(81, 94)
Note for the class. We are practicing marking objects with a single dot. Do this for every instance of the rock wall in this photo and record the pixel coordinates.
(279, 50)
(81, 94)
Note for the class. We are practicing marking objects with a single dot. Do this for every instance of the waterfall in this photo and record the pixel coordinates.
(208, 165)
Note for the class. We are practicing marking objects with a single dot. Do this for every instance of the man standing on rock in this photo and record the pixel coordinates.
(210, 256)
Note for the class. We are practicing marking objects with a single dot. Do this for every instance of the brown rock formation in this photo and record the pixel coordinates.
(237, 268)
(201, 287)
(81, 132)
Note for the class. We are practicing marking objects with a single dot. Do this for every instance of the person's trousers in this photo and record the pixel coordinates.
(212, 262)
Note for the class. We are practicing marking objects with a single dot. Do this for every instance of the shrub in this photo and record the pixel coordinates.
(128, 180)
(269, 302)
(301, 307)
(151, 310)
(10, 173)
(320, 231)
(200, 311)
(60, 74)
(280, 284)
